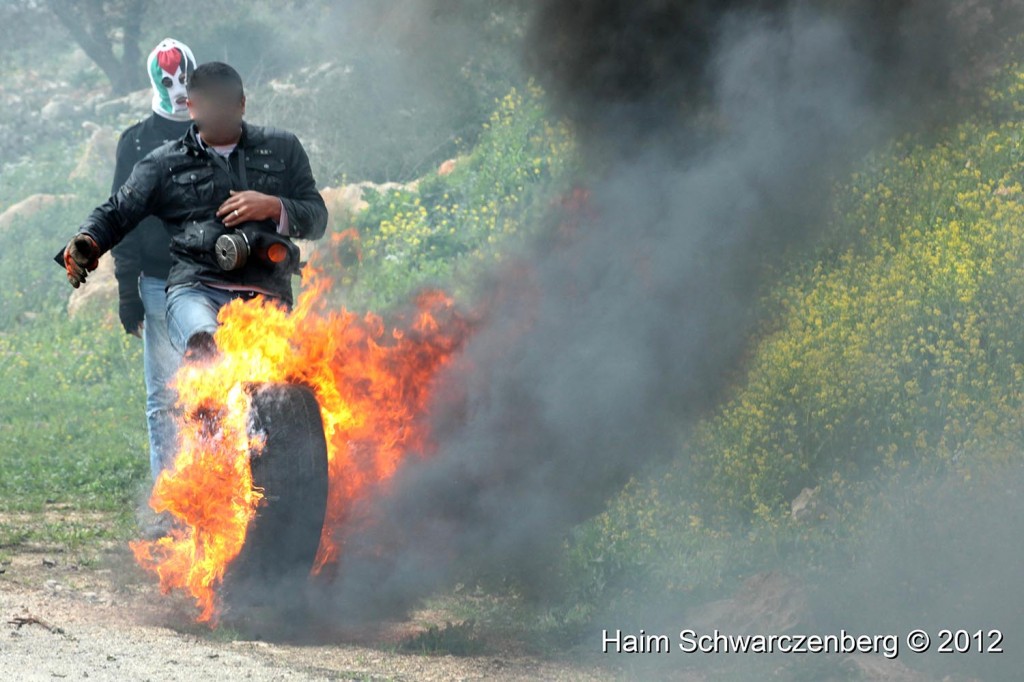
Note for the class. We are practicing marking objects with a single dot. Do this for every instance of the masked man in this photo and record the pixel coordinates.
(143, 260)
(232, 196)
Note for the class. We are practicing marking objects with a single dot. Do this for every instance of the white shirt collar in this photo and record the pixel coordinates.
(223, 150)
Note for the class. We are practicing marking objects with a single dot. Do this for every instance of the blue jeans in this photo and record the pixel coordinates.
(193, 308)
(160, 362)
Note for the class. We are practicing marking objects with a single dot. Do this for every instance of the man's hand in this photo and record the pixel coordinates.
(132, 313)
(81, 256)
(249, 205)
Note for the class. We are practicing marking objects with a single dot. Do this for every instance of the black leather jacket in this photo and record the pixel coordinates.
(182, 185)
(147, 249)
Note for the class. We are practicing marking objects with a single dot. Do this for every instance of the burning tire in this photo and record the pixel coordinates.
(282, 539)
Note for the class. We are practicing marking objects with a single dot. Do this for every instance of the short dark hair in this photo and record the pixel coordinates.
(215, 76)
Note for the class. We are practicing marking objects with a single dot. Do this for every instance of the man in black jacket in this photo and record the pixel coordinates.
(143, 259)
(231, 194)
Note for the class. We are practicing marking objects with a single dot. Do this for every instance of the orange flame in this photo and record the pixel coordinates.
(373, 388)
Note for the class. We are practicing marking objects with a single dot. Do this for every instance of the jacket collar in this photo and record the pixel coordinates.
(251, 136)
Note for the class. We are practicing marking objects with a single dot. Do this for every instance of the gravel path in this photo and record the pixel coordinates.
(61, 621)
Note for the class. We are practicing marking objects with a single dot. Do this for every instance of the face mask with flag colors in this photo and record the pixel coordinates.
(170, 65)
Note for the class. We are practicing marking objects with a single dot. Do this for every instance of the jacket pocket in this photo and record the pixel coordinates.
(265, 174)
(196, 241)
(197, 183)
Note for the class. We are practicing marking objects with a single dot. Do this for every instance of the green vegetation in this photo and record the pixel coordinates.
(65, 436)
(893, 354)
(457, 639)
(891, 358)
(65, 433)
(450, 225)
(69, 434)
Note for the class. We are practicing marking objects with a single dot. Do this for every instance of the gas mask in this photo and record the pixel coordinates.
(248, 243)
(247, 246)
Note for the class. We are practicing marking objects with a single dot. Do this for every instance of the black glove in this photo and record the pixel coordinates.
(81, 256)
(132, 313)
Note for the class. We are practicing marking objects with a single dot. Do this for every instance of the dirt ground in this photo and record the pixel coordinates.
(96, 615)
(107, 621)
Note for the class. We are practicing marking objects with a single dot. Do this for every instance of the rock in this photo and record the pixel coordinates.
(95, 98)
(137, 101)
(319, 70)
(283, 88)
(447, 167)
(111, 108)
(808, 506)
(344, 202)
(99, 291)
(30, 206)
(801, 506)
(57, 109)
(96, 162)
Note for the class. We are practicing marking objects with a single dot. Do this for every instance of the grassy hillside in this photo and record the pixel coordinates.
(892, 361)
(891, 357)
(72, 425)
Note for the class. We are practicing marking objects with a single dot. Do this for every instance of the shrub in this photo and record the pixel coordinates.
(455, 222)
(894, 352)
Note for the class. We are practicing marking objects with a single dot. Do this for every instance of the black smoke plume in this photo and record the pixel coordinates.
(712, 131)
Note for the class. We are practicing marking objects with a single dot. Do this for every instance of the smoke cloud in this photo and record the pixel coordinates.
(712, 131)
